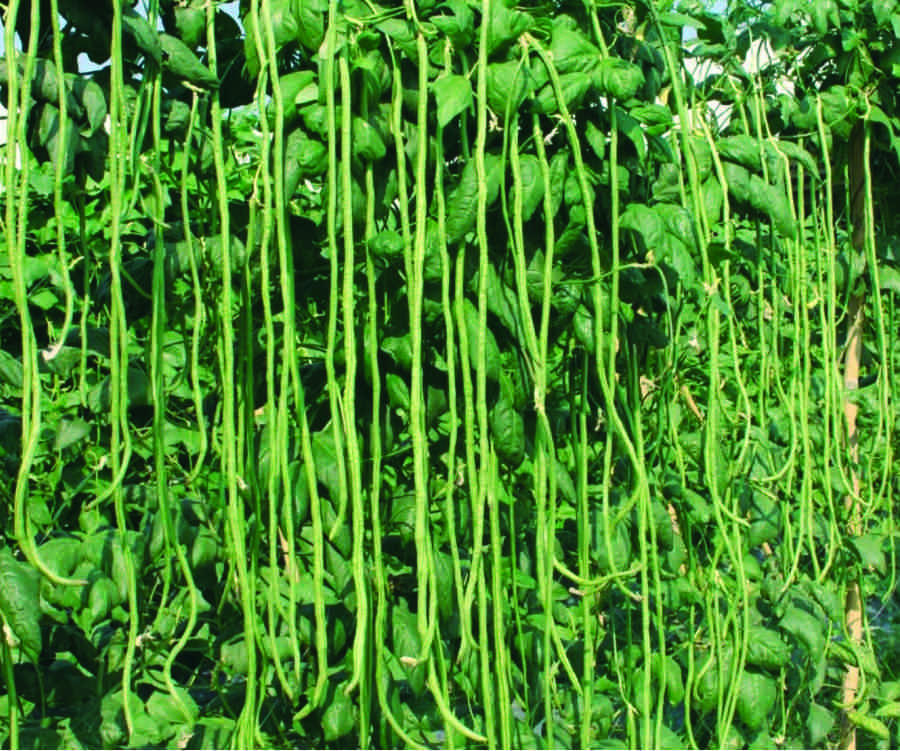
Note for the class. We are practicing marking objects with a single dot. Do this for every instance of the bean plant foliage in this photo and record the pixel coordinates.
(449, 374)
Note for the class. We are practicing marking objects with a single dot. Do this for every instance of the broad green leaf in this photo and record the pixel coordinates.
(738, 180)
(597, 139)
(573, 88)
(492, 351)
(646, 222)
(70, 432)
(303, 157)
(367, 141)
(797, 153)
(407, 645)
(397, 391)
(565, 487)
(674, 681)
(806, 629)
(532, 185)
(462, 203)
(871, 551)
(508, 84)
(884, 10)
(559, 168)
(583, 326)
(61, 154)
(325, 461)
(453, 95)
(741, 149)
(656, 118)
(19, 611)
(167, 709)
(339, 717)
(774, 202)
(818, 724)
(617, 556)
(508, 430)
(766, 648)
(698, 508)
(386, 244)
(10, 370)
(310, 19)
(506, 24)
(94, 103)
(400, 350)
(297, 89)
(145, 37)
(619, 78)
(179, 60)
(572, 51)
(458, 27)
(889, 278)
(190, 23)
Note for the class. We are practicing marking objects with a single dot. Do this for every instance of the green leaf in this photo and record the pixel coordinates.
(453, 95)
(738, 181)
(407, 645)
(70, 432)
(297, 89)
(310, 22)
(774, 202)
(573, 88)
(617, 556)
(19, 598)
(766, 648)
(190, 23)
(398, 392)
(883, 10)
(797, 153)
(179, 60)
(871, 552)
(806, 629)
(619, 78)
(462, 203)
(386, 244)
(508, 430)
(458, 27)
(818, 724)
(741, 149)
(303, 157)
(62, 154)
(508, 84)
(532, 185)
(571, 50)
(145, 37)
(597, 140)
(367, 141)
(492, 351)
(94, 103)
(646, 222)
(889, 278)
(339, 717)
(506, 24)
(10, 370)
(325, 461)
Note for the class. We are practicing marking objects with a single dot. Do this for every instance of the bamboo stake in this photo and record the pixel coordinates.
(853, 352)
